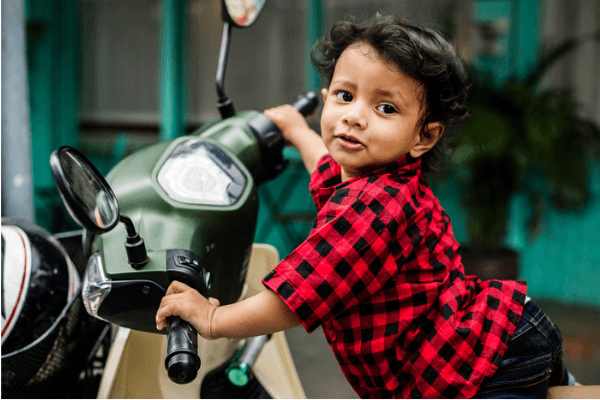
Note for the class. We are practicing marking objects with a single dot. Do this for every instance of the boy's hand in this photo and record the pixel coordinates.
(185, 302)
(296, 132)
(291, 123)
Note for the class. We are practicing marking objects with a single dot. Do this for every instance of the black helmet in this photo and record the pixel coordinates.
(40, 286)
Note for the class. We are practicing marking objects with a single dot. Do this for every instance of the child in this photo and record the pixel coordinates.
(381, 270)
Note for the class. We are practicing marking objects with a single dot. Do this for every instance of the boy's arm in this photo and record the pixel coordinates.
(261, 314)
(297, 133)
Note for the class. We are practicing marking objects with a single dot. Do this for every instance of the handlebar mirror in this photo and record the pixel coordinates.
(85, 193)
(242, 13)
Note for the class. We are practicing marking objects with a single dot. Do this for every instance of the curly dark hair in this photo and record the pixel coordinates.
(419, 52)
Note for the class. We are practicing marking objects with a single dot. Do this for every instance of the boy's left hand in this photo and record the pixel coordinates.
(292, 124)
(185, 302)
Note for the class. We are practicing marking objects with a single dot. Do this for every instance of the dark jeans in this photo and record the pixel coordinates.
(532, 362)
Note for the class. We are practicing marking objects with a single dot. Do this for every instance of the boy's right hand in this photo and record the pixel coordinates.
(185, 302)
(291, 123)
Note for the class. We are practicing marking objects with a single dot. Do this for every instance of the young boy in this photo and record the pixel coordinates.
(381, 270)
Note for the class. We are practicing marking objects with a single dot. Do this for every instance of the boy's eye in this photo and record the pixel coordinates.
(386, 109)
(344, 96)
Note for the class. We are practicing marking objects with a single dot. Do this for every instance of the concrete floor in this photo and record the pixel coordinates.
(322, 377)
(580, 329)
(317, 367)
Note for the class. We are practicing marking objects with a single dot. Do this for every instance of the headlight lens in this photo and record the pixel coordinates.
(200, 172)
(95, 285)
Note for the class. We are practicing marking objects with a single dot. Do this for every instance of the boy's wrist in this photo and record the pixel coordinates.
(213, 330)
(295, 136)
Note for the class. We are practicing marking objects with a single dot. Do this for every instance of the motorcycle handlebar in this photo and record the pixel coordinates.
(270, 139)
(182, 361)
(306, 103)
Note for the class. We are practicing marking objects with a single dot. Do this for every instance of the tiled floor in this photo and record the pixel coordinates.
(322, 378)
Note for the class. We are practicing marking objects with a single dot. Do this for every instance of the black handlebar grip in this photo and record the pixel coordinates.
(182, 361)
(268, 134)
(270, 140)
(306, 103)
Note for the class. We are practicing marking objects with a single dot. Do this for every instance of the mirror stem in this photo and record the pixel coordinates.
(225, 105)
(135, 247)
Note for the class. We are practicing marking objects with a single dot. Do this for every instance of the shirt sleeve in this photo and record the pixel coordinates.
(326, 173)
(344, 261)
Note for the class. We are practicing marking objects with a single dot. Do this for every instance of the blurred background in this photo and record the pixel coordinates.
(113, 76)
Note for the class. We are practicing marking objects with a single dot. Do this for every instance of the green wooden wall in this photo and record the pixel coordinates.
(52, 47)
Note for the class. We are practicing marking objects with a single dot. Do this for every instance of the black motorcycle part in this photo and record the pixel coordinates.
(184, 266)
(143, 296)
(134, 245)
(136, 251)
(182, 361)
(216, 385)
(270, 139)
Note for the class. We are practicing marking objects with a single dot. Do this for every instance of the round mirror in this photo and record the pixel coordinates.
(242, 13)
(88, 198)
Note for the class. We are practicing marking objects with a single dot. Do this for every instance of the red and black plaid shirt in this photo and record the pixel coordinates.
(380, 271)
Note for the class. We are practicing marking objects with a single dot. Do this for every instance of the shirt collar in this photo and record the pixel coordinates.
(405, 165)
(329, 178)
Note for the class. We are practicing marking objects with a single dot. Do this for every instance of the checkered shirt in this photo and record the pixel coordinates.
(381, 272)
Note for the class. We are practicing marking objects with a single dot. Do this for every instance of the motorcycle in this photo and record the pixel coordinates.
(184, 210)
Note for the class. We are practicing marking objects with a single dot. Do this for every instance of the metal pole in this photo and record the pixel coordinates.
(17, 186)
(314, 30)
(172, 88)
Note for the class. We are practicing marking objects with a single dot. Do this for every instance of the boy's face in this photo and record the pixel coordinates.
(371, 113)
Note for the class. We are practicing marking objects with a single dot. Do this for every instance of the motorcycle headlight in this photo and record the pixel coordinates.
(200, 172)
(95, 285)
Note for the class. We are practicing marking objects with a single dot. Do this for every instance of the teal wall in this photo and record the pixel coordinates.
(562, 262)
(518, 43)
(52, 46)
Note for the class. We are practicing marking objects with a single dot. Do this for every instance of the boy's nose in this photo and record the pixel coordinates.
(355, 116)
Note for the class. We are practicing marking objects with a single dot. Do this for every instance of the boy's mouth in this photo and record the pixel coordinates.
(349, 140)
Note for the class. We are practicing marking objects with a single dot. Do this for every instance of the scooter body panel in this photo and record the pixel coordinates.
(135, 367)
(208, 231)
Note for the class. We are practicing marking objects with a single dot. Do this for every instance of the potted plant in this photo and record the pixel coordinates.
(520, 137)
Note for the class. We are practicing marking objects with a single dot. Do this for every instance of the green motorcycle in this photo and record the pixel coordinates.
(181, 210)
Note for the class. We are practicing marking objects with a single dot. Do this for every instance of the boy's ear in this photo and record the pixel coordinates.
(324, 92)
(428, 137)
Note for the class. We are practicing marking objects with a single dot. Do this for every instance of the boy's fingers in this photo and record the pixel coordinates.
(165, 310)
(214, 301)
(176, 287)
